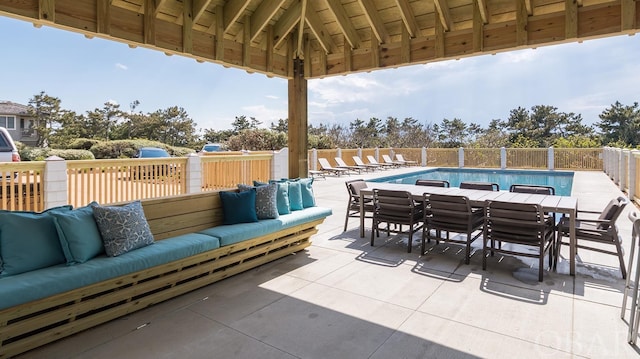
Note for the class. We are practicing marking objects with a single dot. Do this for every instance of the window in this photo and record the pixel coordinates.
(8, 122)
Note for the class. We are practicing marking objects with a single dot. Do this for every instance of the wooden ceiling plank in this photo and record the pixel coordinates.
(263, 15)
(349, 32)
(187, 26)
(373, 17)
(233, 10)
(319, 30)
(408, 18)
(199, 6)
(149, 22)
(481, 6)
(522, 19)
(571, 19)
(348, 58)
(439, 41)
(47, 10)
(444, 14)
(286, 23)
(628, 11)
(375, 52)
(103, 14)
(301, 35)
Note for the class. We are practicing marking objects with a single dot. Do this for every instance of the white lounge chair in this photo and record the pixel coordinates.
(401, 159)
(342, 164)
(388, 160)
(373, 161)
(326, 167)
(360, 162)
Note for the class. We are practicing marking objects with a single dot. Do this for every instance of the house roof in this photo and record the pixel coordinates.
(12, 108)
(333, 36)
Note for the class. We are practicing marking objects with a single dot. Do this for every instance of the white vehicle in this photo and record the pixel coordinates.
(8, 149)
(212, 147)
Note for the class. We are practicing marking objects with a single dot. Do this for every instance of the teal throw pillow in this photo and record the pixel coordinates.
(266, 199)
(295, 196)
(122, 228)
(308, 199)
(79, 235)
(239, 207)
(29, 241)
(282, 197)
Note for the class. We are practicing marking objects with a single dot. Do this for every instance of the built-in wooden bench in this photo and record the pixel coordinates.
(36, 323)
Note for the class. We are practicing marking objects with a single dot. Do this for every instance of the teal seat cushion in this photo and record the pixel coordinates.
(282, 198)
(29, 241)
(38, 284)
(230, 234)
(79, 235)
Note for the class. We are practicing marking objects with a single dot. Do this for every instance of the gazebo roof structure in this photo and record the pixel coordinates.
(305, 39)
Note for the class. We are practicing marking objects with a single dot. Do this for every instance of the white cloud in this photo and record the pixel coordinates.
(515, 57)
(346, 89)
(112, 101)
(272, 97)
(122, 67)
(264, 114)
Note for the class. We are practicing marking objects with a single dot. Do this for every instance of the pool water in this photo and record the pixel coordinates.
(560, 180)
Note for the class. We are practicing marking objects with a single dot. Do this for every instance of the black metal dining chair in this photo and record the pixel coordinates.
(451, 214)
(432, 183)
(530, 188)
(517, 223)
(485, 186)
(353, 204)
(397, 208)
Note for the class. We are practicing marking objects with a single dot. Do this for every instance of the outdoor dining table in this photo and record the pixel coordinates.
(549, 203)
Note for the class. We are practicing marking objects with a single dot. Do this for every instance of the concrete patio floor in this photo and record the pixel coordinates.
(342, 298)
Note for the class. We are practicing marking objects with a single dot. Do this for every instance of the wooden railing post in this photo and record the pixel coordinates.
(461, 157)
(193, 174)
(55, 182)
(551, 159)
(619, 168)
(624, 169)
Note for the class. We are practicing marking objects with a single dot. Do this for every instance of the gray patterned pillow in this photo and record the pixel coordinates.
(266, 202)
(123, 229)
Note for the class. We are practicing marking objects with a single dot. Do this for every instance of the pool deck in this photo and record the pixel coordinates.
(342, 298)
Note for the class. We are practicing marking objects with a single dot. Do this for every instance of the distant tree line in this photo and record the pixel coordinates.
(539, 126)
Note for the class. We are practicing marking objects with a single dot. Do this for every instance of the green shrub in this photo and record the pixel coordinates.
(128, 148)
(33, 153)
(181, 151)
(73, 154)
(82, 143)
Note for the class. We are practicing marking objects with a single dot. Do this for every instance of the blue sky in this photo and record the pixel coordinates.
(583, 78)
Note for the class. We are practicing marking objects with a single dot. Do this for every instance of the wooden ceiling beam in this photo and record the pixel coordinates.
(318, 29)
(103, 14)
(571, 19)
(199, 6)
(371, 13)
(47, 10)
(159, 5)
(481, 7)
(187, 26)
(149, 22)
(628, 9)
(263, 15)
(444, 14)
(349, 32)
(522, 18)
(527, 5)
(233, 9)
(408, 18)
(286, 23)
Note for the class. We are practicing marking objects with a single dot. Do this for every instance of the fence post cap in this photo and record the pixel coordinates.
(54, 158)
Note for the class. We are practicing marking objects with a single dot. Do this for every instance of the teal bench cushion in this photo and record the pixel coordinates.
(42, 283)
(236, 233)
(305, 215)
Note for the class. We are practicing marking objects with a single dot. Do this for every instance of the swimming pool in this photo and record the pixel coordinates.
(560, 180)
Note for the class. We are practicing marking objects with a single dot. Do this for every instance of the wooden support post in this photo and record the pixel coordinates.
(298, 164)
